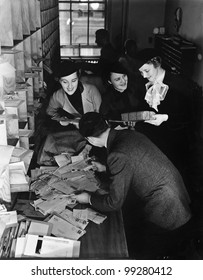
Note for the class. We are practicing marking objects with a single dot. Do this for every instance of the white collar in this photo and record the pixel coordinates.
(161, 77)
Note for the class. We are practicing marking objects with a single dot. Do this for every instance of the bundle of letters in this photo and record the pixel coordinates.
(56, 230)
(21, 237)
(60, 227)
(57, 236)
(54, 188)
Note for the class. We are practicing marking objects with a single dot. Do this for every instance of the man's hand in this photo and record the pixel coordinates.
(97, 166)
(64, 122)
(158, 119)
(67, 121)
(83, 197)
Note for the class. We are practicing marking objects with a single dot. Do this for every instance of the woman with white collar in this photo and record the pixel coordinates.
(170, 97)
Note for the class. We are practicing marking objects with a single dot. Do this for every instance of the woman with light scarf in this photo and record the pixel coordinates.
(170, 97)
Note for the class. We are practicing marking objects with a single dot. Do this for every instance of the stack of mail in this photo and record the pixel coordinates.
(32, 239)
(54, 201)
(74, 220)
(95, 216)
(8, 224)
(89, 214)
(9, 218)
(19, 181)
(22, 154)
(46, 247)
(64, 228)
(5, 192)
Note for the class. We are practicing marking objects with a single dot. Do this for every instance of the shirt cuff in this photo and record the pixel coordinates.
(90, 200)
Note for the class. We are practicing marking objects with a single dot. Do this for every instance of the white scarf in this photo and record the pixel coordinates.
(156, 92)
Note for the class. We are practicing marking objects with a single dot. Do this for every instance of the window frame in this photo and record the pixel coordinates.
(79, 46)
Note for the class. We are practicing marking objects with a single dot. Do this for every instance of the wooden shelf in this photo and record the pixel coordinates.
(50, 35)
(21, 46)
(178, 55)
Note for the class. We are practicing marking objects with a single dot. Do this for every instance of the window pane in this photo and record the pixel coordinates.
(96, 6)
(80, 6)
(79, 20)
(96, 22)
(64, 6)
(90, 52)
(69, 52)
(64, 22)
(79, 29)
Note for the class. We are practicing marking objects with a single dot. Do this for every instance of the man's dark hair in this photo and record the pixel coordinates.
(92, 124)
(102, 33)
(130, 47)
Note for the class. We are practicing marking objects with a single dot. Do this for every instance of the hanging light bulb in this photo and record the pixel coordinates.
(68, 21)
(94, 6)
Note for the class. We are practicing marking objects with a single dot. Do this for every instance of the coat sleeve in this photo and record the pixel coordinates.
(54, 104)
(121, 175)
(94, 98)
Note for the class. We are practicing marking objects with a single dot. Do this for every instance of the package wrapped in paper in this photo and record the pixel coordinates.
(137, 116)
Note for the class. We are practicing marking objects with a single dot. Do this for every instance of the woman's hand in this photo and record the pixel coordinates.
(97, 166)
(158, 119)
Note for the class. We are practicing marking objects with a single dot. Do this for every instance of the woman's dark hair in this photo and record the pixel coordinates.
(130, 47)
(116, 67)
(156, 61)
(148, 56)
(66, 68)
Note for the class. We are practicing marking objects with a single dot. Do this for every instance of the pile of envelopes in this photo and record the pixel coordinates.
(54, 188)
(56, 236)
(61, 225)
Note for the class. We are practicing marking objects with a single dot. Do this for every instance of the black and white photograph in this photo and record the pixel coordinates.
(101, 138)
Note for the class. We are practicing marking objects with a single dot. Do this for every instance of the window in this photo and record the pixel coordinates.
(79, 20)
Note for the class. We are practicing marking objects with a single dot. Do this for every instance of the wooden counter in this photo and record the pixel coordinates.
(105, 241)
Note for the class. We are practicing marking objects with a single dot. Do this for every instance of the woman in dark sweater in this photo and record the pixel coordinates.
(119, 97)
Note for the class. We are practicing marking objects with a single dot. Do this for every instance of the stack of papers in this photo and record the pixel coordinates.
(39, 228)
(8, 225)
(5, 192)
(9, 218)
(22, 154)
(6, 241)
(95, 216)
(40, 184)
(74, 220)
(75, 166)
(88, 214)
(19, 181)
(62, 228)
(53, 202)
(31, 238)
(62, 159)
(46, 246)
